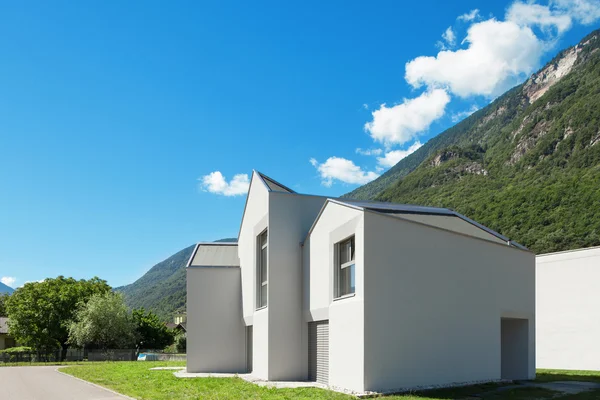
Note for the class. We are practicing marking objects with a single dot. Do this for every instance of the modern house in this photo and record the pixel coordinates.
(6, 341)
(568, 309)
(362, 296)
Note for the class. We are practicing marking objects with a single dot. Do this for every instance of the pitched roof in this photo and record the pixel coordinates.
(214, 254)
(273, 185)
(3, 325)
(443, 218)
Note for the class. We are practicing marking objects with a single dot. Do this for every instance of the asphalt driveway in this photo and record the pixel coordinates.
(46, 383)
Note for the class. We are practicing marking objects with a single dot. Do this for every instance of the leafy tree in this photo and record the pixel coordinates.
(41, 312)
(3, 298)
(181, 343)
(103, 322)
(151, 332)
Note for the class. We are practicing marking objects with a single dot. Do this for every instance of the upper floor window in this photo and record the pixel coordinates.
(262, 270)
(345, 268)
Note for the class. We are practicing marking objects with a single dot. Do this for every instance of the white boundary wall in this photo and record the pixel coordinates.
(568, 310)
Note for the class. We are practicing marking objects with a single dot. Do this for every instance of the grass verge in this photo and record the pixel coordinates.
(136, 380)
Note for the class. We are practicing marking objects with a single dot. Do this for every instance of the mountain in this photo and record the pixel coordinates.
(527, 165)
(163, 288)
(5, 289)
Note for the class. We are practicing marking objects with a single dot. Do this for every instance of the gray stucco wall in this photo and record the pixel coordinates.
(346, 328)
(568, 310)
(216, 329)
(434, 301)
(290, 218)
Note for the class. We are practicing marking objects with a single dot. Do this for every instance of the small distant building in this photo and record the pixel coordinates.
(568, 310)
(6, 342)
(180, 318)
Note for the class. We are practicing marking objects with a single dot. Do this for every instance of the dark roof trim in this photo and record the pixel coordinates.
(267, 179)
(392, 208)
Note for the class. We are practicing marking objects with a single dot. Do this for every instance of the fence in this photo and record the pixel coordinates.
(89, 355)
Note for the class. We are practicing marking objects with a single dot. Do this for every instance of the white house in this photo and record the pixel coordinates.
(364, 296)
(568, 309)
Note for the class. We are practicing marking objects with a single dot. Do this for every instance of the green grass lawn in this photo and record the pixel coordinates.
(136, 380)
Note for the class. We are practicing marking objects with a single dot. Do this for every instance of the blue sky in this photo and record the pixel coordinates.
(122, 124)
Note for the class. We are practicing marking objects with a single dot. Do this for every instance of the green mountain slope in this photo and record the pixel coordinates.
(5, 289)
(527, 165)
(163, 288)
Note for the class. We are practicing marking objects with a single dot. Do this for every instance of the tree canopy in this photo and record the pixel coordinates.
(3, 298)
(40, 313)
(151, 332)
(103, 322)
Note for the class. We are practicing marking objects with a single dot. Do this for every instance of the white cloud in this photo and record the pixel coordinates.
(529, 14)
(449, 36)
(401, 123)
(470, 16)
(499, 53)
(215, 183)
(585, 11)
(463, 114)
(368, 152)
(343, 170)
(8, 280)
(391, 158)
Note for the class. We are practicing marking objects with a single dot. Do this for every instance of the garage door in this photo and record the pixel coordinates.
(318, 351)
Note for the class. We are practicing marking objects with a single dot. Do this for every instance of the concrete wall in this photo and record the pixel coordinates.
(346, 328)
(216, 339)
(568, 310)
(434, 301)
(290, 218)
(255, 220)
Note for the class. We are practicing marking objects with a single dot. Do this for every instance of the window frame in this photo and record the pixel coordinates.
(339, 266)
(262, 281)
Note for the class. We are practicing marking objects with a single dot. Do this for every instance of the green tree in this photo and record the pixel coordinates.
(103, 322)
(151, 332)
(40, 312)
(3, 298)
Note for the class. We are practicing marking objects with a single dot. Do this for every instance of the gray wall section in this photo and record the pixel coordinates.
(434, 301)
(290, 218)
(216, 330)
(568, 310)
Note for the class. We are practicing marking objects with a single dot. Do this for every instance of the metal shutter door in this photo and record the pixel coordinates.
(249, 335)
(318, 351)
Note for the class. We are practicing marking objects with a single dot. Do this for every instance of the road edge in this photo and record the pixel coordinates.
(58, 369)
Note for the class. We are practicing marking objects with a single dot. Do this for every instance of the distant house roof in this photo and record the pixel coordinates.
(3, 325)
(442, 218)
(171, 325)
(223, 254)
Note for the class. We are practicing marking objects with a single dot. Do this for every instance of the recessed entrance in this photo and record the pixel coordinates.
(514, 348)
(249, 348)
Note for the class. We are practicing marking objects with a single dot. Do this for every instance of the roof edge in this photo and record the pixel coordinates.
(266, 178)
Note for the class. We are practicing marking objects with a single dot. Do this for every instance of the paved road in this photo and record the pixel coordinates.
(45, 383)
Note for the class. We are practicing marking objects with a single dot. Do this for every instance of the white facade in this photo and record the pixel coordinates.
(429, 297)
(568, 310)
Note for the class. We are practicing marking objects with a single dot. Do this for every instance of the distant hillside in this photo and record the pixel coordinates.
(5, 289)
(163, 288)
(527, 165)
